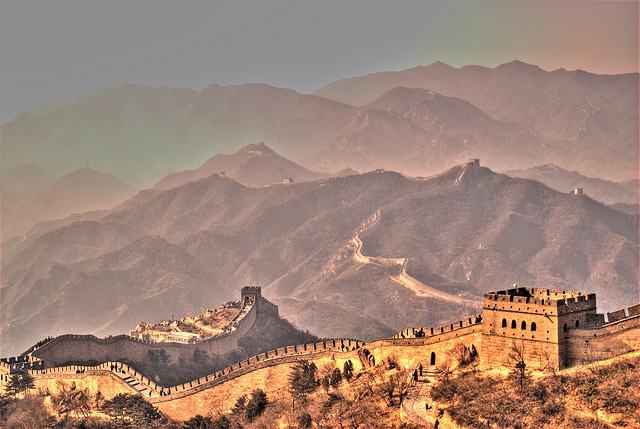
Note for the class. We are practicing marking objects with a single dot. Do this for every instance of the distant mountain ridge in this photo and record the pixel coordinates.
(254, 165)
(607, 191)
(598, 112)
(119, 129)
(463, 231)
(421, 132)
(578, 120)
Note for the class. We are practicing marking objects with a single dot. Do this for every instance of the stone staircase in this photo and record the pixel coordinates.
(137, 386)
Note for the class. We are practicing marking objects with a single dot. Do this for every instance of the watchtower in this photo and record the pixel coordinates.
(534, 321)
(250, 291)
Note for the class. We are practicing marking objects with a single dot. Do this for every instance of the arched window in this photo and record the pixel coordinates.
(564, 327)
(513, 324)
(504, 323)
(533, 326)
(523, 325)
(577, 323)
(433, 358)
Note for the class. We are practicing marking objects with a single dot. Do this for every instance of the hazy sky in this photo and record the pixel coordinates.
(56, 50)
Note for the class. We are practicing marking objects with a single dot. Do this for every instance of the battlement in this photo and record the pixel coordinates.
(537, 300)
(423, 332)
(159, 393)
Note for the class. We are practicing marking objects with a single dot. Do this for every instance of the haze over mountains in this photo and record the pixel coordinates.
(77, 192)
(589, 121)
(254, 165)
(562, 180)
(419, 132)
(172, 251)
(140, 134)
(418, 121)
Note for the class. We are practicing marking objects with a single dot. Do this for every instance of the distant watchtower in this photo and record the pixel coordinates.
(577, 191)
(533, 320)
(251, 291)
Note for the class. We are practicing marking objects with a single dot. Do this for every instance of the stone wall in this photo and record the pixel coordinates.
(86, 348)
(105, 382)
(269, 371)
(436, 350)
(610, 340)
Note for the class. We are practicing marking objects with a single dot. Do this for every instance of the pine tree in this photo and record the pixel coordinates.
(19, 382)
(256, 404)
(302, 379)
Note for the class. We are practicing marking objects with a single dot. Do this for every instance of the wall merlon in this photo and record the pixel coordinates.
(616, 315)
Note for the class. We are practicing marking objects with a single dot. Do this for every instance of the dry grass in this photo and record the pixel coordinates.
(600, 396)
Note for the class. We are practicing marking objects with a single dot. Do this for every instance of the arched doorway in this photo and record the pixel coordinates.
(432, 361)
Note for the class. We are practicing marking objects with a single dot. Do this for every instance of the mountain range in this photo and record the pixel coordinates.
(172, 251)
(417, 121)
(607, 191)
(589, 121)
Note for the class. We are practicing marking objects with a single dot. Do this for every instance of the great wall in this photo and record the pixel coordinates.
(403, 278)
(554, 328)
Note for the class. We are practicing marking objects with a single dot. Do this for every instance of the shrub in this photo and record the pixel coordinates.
(132, 409)
(198, 422)
(19, 382)
(336, 378)
(304, 421)
(240, 406)
(347, 370)
(256, 404)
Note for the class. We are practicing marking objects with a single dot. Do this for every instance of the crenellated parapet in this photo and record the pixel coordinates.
(158, 393)
(541, 301)
(421, 332)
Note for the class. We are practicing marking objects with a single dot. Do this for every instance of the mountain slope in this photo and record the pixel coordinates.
(79, 191)
(255, 165)
(23, 178)
(597, 112)
(607, 191)
(465, 231)
(140, 134)
(421, 132)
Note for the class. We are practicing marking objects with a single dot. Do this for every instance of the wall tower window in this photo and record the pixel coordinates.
(433, 358)
(564, 327)
(577, 323)
(533, 326)
(523, 325)
(504, 323)
(513, 324)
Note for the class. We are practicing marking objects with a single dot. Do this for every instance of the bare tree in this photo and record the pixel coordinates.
(388, 388)
(518, 361)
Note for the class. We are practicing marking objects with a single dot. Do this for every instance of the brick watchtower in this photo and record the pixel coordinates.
(534, 320)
